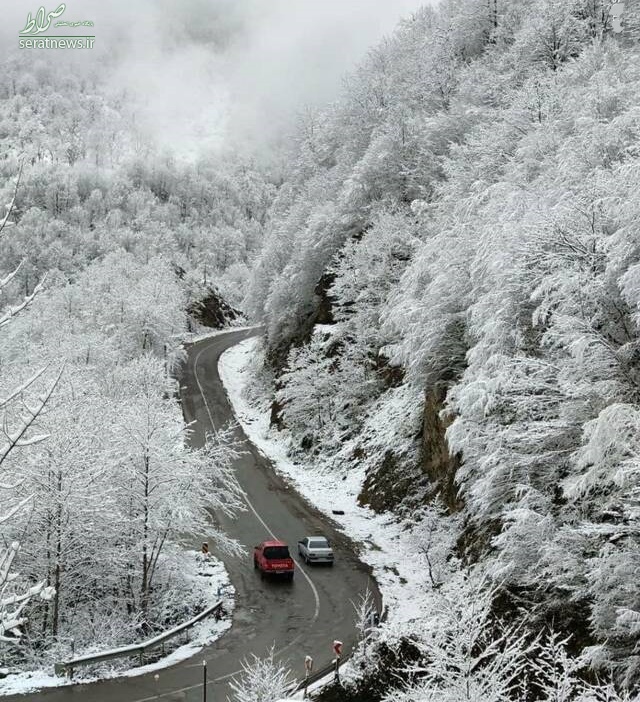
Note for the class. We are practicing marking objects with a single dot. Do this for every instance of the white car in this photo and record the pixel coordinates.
(315, 549)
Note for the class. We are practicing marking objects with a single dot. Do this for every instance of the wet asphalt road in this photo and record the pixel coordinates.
(301, 618)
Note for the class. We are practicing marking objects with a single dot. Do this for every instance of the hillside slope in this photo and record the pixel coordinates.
(451, 294)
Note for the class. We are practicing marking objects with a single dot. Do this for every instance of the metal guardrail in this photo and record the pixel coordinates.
(313, 678)
(67, 667)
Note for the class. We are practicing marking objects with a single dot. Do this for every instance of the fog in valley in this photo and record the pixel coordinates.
(201, 74)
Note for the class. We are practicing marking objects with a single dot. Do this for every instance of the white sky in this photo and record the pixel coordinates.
(201, 69)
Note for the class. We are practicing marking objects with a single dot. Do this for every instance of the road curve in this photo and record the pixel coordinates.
(302, 618)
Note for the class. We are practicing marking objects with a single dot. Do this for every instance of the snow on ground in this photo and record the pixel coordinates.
(210, 575)
(391, 549)
(203, 332)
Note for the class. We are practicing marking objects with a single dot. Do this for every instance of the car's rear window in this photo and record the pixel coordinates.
(318, 543)
(276, 552)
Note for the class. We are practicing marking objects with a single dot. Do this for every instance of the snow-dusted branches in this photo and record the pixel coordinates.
(262, 680)
(470, 655)
(4, 222)
(15, 310)
(16, 437)
(14, 595)
(366, 616)
(14, 598)
(20, 415)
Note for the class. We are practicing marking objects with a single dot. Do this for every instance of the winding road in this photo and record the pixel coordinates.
(302, 618)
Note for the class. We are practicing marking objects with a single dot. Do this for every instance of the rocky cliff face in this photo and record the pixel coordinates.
(213, 311)
(436, 459)
(420, 476)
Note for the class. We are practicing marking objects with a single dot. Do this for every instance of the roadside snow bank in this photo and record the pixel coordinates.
(393, 551)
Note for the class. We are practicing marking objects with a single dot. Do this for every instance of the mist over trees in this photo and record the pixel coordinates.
(94, 182)
(450, 291)
(110, 243)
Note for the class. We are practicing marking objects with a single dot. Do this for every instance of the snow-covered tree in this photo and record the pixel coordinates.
(364, 609)
(165, 489)
(262, 680)
(71, 527)
(19, 430)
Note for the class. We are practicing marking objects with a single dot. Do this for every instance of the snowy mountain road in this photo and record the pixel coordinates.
(299, 618)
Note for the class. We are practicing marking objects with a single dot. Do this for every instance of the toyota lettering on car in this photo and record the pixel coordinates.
(273, 558)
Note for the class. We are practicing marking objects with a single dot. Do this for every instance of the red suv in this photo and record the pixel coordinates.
(273, 558)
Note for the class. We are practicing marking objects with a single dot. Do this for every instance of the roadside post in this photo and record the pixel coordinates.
(308, 667)
(337, 649)
(204, 681)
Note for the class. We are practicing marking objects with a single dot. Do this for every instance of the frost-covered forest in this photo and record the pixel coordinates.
(446, 262)
(451, 291)
(108, 245)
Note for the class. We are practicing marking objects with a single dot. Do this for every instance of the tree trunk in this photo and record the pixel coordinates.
(49, 522)
(57, 577)
(144, 602)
